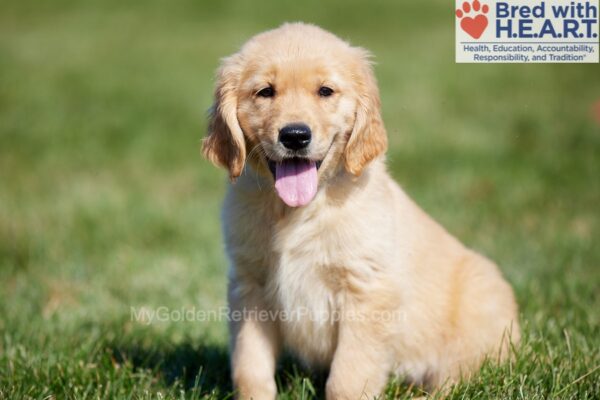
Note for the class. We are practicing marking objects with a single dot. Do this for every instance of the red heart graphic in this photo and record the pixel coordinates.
(474, 26)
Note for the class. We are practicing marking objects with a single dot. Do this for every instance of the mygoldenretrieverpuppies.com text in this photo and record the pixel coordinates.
(163, 314)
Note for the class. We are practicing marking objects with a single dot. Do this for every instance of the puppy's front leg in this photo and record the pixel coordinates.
(254, 348)
(360, 366)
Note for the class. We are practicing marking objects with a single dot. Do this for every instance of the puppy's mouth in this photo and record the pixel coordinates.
(296, 179)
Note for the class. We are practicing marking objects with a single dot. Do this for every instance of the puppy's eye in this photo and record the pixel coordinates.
(325, 91)
(266, 92)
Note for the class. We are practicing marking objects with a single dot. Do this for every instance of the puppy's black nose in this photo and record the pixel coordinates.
(295, 136)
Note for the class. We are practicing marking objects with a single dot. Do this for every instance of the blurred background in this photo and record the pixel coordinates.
(106, 204)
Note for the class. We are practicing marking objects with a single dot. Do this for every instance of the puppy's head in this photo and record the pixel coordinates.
(298, 104)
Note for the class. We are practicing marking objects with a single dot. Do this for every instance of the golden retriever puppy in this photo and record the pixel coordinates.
(329, 257)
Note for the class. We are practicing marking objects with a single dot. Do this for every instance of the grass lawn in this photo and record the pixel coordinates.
(106, 204)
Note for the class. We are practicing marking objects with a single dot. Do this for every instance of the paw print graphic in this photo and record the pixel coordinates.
(474, 26)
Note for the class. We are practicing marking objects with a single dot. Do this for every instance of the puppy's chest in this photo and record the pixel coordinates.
(307, 287)
(310, 309)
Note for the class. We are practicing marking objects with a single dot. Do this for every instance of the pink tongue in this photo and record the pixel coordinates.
(296, 181)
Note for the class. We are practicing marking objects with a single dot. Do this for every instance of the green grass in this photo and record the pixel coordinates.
(105, 203)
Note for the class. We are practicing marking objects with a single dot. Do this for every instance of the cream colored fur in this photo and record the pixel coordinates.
(370, 284)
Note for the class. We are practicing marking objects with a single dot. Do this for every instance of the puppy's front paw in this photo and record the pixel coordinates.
(254, 388)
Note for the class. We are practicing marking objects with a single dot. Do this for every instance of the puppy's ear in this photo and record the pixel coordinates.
(368, 138)
(225, 145)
